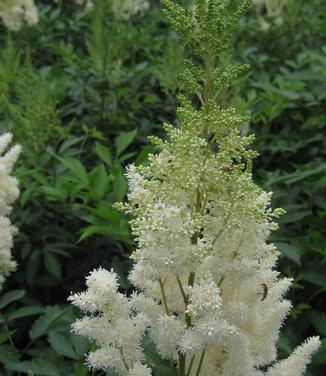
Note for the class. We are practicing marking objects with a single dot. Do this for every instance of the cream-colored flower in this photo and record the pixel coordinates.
(8, 194)
(15, 12)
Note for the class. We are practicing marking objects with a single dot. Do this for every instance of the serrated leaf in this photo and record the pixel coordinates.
(62, 345)
(8, 354)
(154, 359)
(47, 321)
(81, 345)
(40, 367)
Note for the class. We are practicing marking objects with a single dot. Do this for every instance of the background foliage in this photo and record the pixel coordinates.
(81, 91)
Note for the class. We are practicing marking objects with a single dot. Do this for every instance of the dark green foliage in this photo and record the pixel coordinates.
(286, 92)
(82, 91)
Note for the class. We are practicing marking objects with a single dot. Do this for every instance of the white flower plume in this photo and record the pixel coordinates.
(8, 194)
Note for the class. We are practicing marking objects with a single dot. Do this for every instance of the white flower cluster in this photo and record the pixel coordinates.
(15, 12)
(111, 324)
(8, 193)
(86, 3)
(273, 9)
(203, 267)
(124, 9)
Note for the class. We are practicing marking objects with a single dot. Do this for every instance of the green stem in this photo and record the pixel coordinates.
(9, 336)
(185, 299)
(182, 364)
(163, 296)
(201, 362)
(190, 365)
(198, 208)
(123, 359)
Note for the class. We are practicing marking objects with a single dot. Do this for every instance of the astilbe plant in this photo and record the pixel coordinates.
(206, 289)
(8, 194)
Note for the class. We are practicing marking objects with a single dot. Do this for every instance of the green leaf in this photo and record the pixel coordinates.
(55, 193)
(52, 264)
(33, 266)
(105, 211)
(40, 367)
(7, 334)
(46, 322)
(320, 356)
(314, 277)
(99, 182)
(69, 345)
(25, 311)
(126, 156)
(289, 251)
(318, 320)
(117, 232)
(10, 297)
(81, 345)
(154, 359)
(92, 230)
(76, 169)
(142, 157)
(104, 153)
(120, 185)
(8, 354)
(69, 143)
(120, 269)
(124, 140)
(25, 196)
(62, 345)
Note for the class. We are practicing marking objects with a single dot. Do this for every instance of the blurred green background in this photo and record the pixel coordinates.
(81, 88)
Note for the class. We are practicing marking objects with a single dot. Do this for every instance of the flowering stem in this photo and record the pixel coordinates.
(163, 296)
(191, 281)
(182, 364)
(185, 299)
(200, 362)
(190, 365)
(123, 359)
(182, 357)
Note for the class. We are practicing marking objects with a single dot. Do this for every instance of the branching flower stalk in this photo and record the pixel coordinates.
(206, 292)
(8, 194)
